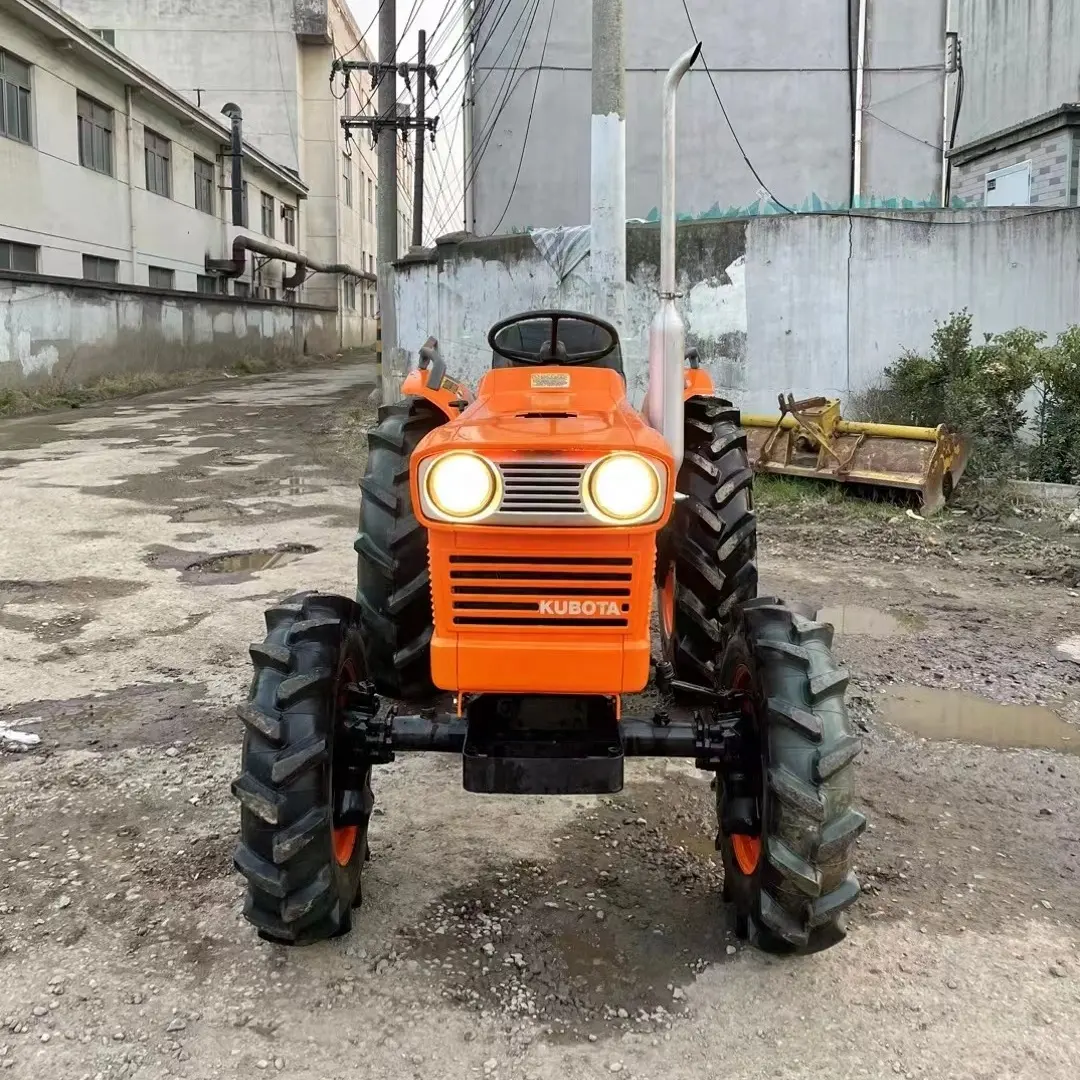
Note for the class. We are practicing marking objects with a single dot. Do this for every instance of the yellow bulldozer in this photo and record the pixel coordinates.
(810, 439)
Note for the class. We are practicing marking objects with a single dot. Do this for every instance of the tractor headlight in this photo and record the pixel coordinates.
(461, 486)
(622, 489)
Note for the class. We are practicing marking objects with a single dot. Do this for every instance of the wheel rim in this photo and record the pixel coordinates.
(343, 840)
(746, 849)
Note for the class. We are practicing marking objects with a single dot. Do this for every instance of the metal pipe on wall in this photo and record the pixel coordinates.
(860, 106)
(236, 119)
(129, 121)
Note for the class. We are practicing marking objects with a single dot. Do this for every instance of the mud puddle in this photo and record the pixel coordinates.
(292, 486)
(249, 562)
(964, 717)
(229, 567)
(853, 620)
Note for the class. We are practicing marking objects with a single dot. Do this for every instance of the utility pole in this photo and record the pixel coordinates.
(388, 119)
(467, 115)
(608, 167)
(418, 164)
(387, 210)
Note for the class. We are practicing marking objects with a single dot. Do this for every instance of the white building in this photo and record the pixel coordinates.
(273, 58)
(108, 175)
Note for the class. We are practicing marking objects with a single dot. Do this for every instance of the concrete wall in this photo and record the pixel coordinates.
(51, 202)
(75, 332)
(812, 304)
(783, 71)
(1020, 60)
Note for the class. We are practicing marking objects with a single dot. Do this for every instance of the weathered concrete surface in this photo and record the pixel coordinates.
(75, 332)
(122, 950)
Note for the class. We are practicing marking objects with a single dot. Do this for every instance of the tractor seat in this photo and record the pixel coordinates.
(560, 356)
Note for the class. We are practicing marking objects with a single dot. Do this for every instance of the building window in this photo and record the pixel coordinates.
(370, 199)
(349, 291)
(270, 293)
(290, 296)
(14, 97)
(204, 186)
(241, 289)
(346, 177)
(371, 263)
(288, 215)
(98, 269)
(162, 278)
(268, 215)
(158, 154)
(108, 36)
(21, 257)
(207, 284)
(95, 135)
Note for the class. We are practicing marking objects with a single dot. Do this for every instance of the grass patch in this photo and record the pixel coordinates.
(796, 493)
(56, 394)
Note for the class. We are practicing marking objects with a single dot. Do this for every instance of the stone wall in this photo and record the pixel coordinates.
(1052, 160)
(55, 328)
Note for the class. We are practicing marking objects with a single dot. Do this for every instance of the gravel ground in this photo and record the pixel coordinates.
(501, 938)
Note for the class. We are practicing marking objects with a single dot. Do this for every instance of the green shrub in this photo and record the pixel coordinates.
(979, 390)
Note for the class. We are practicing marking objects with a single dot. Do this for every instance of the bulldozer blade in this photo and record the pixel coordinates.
(927, 461)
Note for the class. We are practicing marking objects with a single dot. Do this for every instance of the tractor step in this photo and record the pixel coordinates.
(543, 745)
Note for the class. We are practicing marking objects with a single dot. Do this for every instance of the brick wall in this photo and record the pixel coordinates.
(1053, 171)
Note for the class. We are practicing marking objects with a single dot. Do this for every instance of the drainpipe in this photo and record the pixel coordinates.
(129, 99)
(667, 334)
(860, 110)
(232, 111)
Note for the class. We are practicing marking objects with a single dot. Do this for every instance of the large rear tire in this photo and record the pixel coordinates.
(393, 586)
(791, 883)
(707, 563)
(303, 872)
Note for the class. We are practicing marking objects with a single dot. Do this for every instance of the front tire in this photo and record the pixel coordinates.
(393, 586)
(707, 565)
(791, 883)
(303, 872)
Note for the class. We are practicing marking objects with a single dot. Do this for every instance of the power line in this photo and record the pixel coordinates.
(727, 119)
(528, 124)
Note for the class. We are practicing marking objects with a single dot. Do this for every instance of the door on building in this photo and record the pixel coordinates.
(1009, 187)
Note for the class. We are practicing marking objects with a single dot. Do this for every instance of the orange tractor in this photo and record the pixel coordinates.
(511, 546)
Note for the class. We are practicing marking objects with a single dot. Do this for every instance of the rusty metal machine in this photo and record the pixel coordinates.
(810, 439)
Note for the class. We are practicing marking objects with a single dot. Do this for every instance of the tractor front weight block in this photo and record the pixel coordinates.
(543, 744)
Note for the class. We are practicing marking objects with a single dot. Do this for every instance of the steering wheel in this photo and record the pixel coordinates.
(534, 357)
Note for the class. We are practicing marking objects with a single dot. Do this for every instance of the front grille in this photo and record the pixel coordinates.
(542, 487)
(523, 591)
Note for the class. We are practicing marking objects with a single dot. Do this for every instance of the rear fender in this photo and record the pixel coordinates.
(697, 383)
(430, 381)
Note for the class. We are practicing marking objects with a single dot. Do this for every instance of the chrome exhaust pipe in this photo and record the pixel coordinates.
(667, 334)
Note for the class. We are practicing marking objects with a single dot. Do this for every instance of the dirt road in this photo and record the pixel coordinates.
(531, 938)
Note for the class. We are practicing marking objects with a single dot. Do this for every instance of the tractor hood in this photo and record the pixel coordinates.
(549, 410)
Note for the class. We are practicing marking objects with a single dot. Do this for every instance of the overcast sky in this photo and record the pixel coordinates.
(442, 19)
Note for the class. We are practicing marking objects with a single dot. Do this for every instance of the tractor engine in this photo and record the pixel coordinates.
(542, 504)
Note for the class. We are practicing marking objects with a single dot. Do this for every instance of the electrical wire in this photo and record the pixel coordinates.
(727, 119)
(946, 195)
(528, 123)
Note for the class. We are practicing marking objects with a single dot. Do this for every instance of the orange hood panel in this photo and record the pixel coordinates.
(550, 409)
